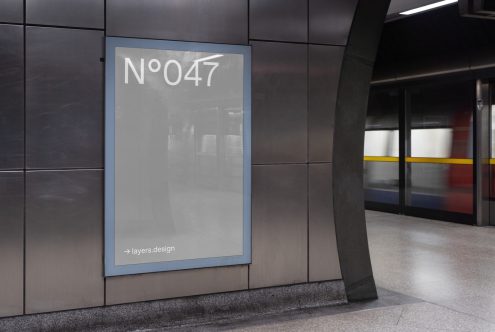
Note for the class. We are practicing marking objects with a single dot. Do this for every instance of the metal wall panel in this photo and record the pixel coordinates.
(279, 20)
(154, 286)
(324, 75)
(11, 97)
(279, 105)
(64, 98)
(11, 11)
(68, 13)
(11, 243)
(220, 21)
(323, 256)
(64, 240)
(330, 21)
(279, 226)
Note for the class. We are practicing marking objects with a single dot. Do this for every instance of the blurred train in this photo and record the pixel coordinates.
(439, 162)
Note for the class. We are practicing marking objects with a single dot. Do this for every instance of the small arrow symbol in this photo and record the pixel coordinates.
(127, 251)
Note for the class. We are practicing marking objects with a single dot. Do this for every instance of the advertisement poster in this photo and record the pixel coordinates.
(177, 155)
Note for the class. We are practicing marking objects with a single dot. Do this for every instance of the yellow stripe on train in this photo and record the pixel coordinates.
(423, 160)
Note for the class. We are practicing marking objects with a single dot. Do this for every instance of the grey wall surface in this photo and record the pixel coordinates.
(280, 105)
(12, 97)
(11, 242)
(11, 168)
(11, 11)
(279, 20)
(330, 21)
(323, 258)
(64, 98)
(323, 83)
(59, 167)
(280, 233)
(217, 21)
(83, 14)
(154, 286)
(64, 241)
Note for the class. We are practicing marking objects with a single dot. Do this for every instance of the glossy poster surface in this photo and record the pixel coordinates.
(177, 160)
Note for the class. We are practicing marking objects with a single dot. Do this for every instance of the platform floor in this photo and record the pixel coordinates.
(432, 276)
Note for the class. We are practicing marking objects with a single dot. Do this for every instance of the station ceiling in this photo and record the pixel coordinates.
(397, 6)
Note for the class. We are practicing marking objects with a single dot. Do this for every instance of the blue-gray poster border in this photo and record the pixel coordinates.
(111, 269)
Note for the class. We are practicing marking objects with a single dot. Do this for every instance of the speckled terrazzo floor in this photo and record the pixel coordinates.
(432, 276)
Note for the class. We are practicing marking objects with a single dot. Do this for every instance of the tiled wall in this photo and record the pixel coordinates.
(51, 143)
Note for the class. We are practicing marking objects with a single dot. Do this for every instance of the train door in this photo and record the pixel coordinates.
(439, 131)
(491, 177)
(418, 151)
(381, 151)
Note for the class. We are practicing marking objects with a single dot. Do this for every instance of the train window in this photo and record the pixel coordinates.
(432, 143)
(381, 143)
(381, 150)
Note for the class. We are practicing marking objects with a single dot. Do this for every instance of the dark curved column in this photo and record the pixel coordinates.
(350, 116)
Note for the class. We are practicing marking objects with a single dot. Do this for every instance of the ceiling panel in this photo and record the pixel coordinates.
(397, 6)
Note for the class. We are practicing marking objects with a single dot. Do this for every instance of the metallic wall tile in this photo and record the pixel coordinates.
(221, 21)
(279, 226)
(64, 98)
(330, 21)
(64, 240)
(11, 243)
(279, 102)
(68, 13)
(324, 75)
(11, 11)
(323, 256)
(279, 20)
(154, 286)
(11, 97)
